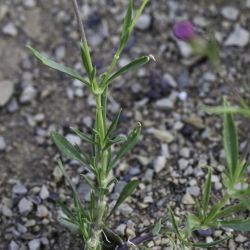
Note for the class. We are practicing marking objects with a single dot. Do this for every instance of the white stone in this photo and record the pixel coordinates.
(6, 211)
(2, 144)
(25, 206)
(28, 94)
(239, 37)
(13, 246)
(6, 91)
(183, 163)
(162, 135)
(194, 190)
(29, 3)
(34, 244)
(42, 211)
(184, 48)
(230, 13)
(73, 139)
(44, 193)
(10, 29)
(144, 22)
(19, 188)
(159, 163)
(188, 199)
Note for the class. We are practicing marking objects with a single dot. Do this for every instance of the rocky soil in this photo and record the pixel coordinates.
(179, 139)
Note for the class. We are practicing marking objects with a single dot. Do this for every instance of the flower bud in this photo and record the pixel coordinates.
(184, 30)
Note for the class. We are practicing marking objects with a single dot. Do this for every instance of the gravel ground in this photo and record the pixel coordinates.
(179, 139)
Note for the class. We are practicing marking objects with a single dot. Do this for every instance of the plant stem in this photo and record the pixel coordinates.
(79, 20)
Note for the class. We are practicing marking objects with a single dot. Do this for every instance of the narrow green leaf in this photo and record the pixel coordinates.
(238, 225)
(130, 66)
(226, 110)
(211, 244)
(157, 228)
(67, 148)
(230, 142)
(59, 67)
(128, 17)
(113, 125)
(125, 193)
(117, 140)
(174, 224)
(207, 191)
(137, 15)
(228, 211)
(86, 59)
(133, 138)
(193, 223)
(82, 135)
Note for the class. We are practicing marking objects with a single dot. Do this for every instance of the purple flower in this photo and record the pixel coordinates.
(184, 30)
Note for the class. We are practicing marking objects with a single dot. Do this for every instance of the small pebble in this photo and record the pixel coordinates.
(34, 244)
(19, 188)
(188, 199)
(10, 29)
(144, 22)
(25, 206)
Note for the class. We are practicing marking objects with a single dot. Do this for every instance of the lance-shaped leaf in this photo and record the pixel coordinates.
(125, 193)
(230, 142)
(133, 138)
(174, 224)
(138, 14)
(229, 109)
(130, 66)
(238, 225)
(67, 148)
(207, 190)
(128, 18)
(82, 135)
(113, 125)
(86, 59)
(59, 67)
(211, 244)
(117, 140)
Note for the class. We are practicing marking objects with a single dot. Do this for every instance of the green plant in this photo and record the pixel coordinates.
(91, 220)
(236, 194)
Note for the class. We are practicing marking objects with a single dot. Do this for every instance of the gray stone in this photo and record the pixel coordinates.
(159, 163)
(183, 163)
(3, 11)
(29, 3)
(2, 144)
(6, 91)
(188, 199)
(25, 206)
(149, 175)
(240, 238)
(10, 29)
(34, 244)
(125, 210)
(73, 139)
(84, 192)
(13, 246)
(230, 13)
(6, 211)
(28, 94)
(44, 193)
(162, 135)
(248, 3)
(194, 190)
(42, 211)
(12, 106)
(239, 37)
(184, 48)
(19, 188)
(144, 22)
